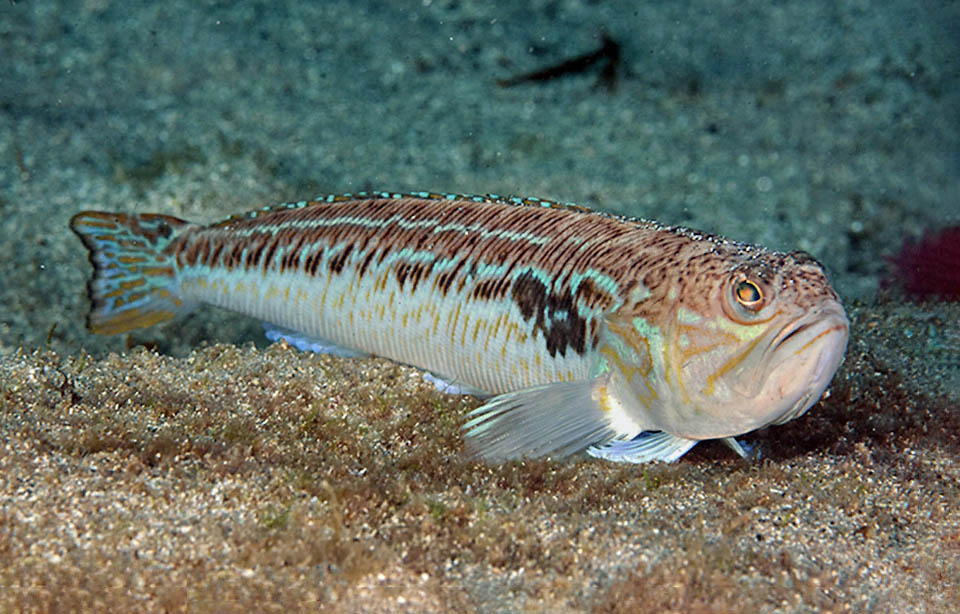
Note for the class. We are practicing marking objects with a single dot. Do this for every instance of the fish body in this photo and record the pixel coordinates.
(586, 329)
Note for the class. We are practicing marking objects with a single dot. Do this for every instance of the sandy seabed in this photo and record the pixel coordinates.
(272, 480)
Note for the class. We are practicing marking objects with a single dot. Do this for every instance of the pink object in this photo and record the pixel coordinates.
(930, 268)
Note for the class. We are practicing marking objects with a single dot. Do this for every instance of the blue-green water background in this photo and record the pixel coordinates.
(832, 127)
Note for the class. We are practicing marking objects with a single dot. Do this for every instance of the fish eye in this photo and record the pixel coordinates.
(748, 294)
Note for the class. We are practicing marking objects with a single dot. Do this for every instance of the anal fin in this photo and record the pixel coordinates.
(307, 343)
(452, 386)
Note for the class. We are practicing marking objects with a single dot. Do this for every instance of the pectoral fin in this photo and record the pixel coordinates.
(557, 419)
(743, 449)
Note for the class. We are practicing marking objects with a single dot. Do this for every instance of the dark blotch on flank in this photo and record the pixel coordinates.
(366, 263)
(190, 254)
(445, 280)
(489, 289)
(337, 262)
(204, 249)
(216, 255)
(291, 256)
(234, 257)
(253, 257)
(535, 302)
(417, 272)
(313, 262)
(413, 272)
(267, 259)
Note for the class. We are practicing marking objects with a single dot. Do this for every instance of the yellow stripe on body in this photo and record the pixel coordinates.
(730, 364)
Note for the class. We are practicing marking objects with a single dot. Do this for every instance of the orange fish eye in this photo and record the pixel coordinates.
(748, 294)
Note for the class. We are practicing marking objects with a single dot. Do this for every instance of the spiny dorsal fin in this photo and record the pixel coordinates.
(324, 199)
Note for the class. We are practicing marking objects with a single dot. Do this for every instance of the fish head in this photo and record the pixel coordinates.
(750, 340)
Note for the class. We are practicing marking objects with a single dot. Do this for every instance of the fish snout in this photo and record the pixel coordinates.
(810, 351)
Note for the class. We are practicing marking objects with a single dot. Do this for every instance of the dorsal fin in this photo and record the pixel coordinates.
(518, 201)
(325, 199)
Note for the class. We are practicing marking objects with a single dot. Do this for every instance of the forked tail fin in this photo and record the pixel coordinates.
(133, 277)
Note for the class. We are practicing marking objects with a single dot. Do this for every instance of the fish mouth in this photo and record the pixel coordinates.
(811, 329)
(806, 355)
(789, 333)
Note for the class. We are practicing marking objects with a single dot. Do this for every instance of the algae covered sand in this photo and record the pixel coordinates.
(238, 479)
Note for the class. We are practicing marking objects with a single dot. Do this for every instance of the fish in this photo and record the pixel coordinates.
(582, 331)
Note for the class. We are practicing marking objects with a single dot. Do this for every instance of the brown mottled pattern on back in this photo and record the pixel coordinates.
(540, 249)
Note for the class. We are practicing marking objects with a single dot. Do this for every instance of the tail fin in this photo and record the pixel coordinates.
(132, 282)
